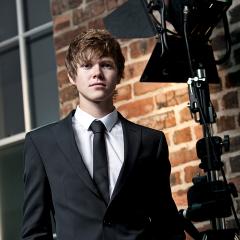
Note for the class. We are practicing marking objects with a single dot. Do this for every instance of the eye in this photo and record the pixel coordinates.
(107, 65)
(86, 65)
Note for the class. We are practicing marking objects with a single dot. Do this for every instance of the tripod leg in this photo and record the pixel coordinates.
(189, 227)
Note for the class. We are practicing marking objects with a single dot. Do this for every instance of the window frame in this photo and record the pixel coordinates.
(21, 39)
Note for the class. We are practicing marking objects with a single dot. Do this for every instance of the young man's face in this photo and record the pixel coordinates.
(96, 80)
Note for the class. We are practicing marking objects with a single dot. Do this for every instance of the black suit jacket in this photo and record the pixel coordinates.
(56, 180)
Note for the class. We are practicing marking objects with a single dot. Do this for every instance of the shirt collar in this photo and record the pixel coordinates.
(86, 119)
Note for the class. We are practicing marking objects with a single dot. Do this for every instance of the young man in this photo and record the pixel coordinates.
(123, 195)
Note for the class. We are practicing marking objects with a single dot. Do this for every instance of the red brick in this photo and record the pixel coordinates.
(94, 9)
(215, 88)
(57, 7)
(142, 88)
(97, 23)
(185, 115)
(171, 98)
(181, 95)
(65, 109)
(60, 58)
(198, 131)
(182, 156)
(74, 3)
(68, 93)
(134, 70)
(180, 197)
(160, 121)
(60, 6)
(171, 120)
(141, 47)
(111, 4)
(97, 8)
(182, 135)
(80, 15)
(234, 143)
(61, 22)
(215, 105)
(125, 52)
(62, 78)
(65, 38)
(175, 179)
(192, 171)
(235, 164)
(123, 93)
(225, 123)
(161, 100)
(137, 108)
(230, 100)
(176, 97)
(167, 138)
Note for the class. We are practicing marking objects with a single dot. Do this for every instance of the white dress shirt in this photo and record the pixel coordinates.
(81, 122)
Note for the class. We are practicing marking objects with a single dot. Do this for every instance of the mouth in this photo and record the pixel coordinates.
(98, 84)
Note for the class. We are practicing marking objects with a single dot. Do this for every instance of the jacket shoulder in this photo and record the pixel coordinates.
(42, 129)
(48, 129)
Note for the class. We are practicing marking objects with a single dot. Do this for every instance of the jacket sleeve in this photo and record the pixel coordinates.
(37, 204)
(164, 213)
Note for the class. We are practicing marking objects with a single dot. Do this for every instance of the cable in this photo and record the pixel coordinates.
(227, 41)
(185, 20)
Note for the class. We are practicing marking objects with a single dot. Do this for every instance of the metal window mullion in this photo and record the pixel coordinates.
(8, 42)
(23, 66)
(5, 142)
(38, 29)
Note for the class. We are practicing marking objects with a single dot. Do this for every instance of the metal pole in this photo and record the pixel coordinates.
(23, 66)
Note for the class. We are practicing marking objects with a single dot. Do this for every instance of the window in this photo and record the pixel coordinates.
(28, 88)
(11, 194)
(28, 96)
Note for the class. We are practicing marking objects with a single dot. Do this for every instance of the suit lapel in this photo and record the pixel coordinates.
(66, 141)
(132, 140)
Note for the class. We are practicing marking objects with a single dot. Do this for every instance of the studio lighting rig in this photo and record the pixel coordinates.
(184, 53)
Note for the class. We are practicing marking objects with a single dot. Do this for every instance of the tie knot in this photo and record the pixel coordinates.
(97, 127)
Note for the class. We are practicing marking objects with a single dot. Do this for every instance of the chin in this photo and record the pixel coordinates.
(102, 99)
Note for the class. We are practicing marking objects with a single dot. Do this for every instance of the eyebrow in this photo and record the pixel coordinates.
(101, 59)
(107, 59)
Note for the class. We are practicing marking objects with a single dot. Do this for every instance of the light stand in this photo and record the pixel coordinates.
(209, 198)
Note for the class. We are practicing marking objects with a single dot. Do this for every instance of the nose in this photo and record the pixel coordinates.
(97, 71)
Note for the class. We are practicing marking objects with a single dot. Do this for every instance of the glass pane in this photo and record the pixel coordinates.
(11, 105)
(36, 13)
(42, 77)
(11, 192)
(8, 19)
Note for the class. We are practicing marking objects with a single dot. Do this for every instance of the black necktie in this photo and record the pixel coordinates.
(100, 164)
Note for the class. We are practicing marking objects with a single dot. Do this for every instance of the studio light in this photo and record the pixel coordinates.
(168, 62)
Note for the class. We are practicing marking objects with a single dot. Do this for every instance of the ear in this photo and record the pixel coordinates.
(72, 81)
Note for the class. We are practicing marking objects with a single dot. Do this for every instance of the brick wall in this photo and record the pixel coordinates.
(161, 106)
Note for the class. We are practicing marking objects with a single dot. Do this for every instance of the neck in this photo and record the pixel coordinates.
(97, 109)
